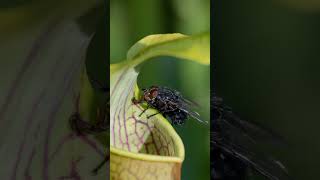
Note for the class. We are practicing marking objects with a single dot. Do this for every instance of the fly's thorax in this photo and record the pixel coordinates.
(166, 104)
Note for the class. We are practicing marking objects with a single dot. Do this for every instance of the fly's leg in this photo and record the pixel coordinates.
(101, 87)
(102, 163)
(79, 126)
(135, 101)
(159, 112)
(153, 115)
(82, 127)
(103, 116)
(143, 111)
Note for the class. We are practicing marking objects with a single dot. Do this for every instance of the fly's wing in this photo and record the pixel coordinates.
(176, 93)
(187, 107)
(190, 103)
(249, 130)
(237, 138)
(268, 167)
(183, 104)
(194, 114)
(233, 142)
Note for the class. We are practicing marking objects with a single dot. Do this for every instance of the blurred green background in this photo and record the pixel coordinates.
(267, 58)
(132, 20)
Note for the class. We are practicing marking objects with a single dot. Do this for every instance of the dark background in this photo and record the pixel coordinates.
(266, 56)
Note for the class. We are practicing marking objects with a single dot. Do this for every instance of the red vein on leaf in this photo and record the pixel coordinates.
(73, 174)
(31, 155)
(29, 122)
(113, 126)
(51, 121)
(25, 66)
(23, 141)
(119, 124)
(124, 112)
(62, 142)
(92, 144)
(117, 114)
(27, 175)
(116, 118)
(118, 81)
(141, 140)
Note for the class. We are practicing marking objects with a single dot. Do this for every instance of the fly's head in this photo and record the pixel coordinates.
(150, 94)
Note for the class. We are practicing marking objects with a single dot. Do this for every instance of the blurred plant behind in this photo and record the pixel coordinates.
(132, 20)
(43, 51)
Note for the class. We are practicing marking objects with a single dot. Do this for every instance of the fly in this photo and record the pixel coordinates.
(170, 103)
(232, 140)
(82, 127)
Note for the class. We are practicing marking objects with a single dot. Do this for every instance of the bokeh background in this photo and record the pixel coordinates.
(132, 20)
(267, 68)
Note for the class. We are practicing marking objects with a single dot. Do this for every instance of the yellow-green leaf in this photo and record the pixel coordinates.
(143, 148)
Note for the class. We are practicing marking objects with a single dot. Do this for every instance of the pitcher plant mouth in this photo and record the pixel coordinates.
(158, 129)
(137, 140)
(179, 151)
(146, 157)
(178, 147)
(178, 157)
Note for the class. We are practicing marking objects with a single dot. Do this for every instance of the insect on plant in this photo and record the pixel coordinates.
(232, 140)
(82, 127)
(170, 103)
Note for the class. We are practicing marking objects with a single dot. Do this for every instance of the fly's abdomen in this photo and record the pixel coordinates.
(177, 117)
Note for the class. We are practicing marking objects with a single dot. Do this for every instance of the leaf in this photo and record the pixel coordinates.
(145, 148)
(43, 48)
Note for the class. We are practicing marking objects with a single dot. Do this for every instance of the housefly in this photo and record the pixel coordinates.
(82, 127)
(170, 103)
(232, 147)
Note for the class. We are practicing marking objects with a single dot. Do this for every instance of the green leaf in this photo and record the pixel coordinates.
(142, 147)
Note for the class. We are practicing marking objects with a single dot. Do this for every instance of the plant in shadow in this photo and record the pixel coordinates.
(43, 47)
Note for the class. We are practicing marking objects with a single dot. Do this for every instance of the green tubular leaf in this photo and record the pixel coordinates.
(140, 147)
(89, 105)
(43, 48)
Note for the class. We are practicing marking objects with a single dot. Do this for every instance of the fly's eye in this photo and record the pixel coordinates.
(147, 97)
(154, 93)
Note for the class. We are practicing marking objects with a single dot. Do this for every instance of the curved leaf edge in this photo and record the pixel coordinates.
(163, 122)
(134, 59)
